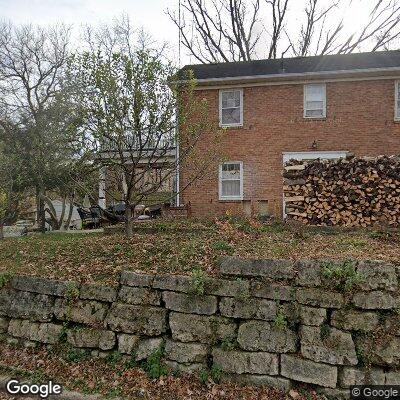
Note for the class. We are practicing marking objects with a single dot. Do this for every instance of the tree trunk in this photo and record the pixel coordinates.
(41, 213)
(1, 231)
(42, 216)
(61, 220)
(55, 223)
(128, 221)
(71, 209)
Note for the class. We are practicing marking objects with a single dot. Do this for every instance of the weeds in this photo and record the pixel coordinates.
(243, 293)
(199, 278)
(222, 247)
(280, 320)
(343, 276)
(75, 355)
(216, 373)
(228, 344)
(114, 392)
(4, 279)
(131, 363)
(325, 331)
(72, 292)
(113, 358)
(154, 366)
(203, 376)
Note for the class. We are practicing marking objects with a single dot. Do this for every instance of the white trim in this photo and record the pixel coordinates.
(310, 155)
(323, 100)
(220, 197)
(396, 100)
(295, 82)
(240, 108)
(302, 74)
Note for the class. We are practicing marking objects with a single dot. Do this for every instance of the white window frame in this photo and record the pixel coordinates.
(305, 100)
(240, 109)
(240, 197)
(396, 100)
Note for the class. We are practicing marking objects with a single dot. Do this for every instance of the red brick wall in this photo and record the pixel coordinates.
(360, 119)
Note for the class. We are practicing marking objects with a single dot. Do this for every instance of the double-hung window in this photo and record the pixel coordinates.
(397, 101)
(231, 180)
(315, 101)
(231, 107)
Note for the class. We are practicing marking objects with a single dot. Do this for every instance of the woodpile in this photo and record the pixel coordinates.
(346, 192)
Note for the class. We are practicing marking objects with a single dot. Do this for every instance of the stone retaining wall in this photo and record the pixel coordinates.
(272, 322)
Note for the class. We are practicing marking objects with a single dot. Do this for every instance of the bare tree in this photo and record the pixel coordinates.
(278, 10)
(129, 111)
(36, 119)
(222, 31)
(319, 36)
(219, 30)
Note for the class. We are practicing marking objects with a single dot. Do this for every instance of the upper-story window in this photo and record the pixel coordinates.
(315, 100)
(397, 101)
(231, 180)
(231, 107)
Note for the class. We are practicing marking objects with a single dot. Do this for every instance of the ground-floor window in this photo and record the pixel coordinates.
(231, 180)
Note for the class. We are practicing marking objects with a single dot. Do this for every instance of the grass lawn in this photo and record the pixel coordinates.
(181, 247)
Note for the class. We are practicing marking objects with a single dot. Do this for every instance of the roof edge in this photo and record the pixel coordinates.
(294, 76)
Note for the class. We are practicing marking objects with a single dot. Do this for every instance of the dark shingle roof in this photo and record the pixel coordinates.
(298, 65)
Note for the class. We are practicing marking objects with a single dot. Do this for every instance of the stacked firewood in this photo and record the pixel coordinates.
(347, 192)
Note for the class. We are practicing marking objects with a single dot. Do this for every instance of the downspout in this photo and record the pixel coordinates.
(177, 162)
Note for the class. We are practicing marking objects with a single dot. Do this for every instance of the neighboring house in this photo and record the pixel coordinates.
(302, 108)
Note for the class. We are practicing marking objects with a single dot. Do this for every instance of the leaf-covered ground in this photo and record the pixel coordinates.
(181, 247)
(117, 378)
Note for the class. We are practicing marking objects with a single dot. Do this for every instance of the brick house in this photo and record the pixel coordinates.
(302, 108)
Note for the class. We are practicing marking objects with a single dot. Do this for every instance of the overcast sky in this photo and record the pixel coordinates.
(149, 14)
